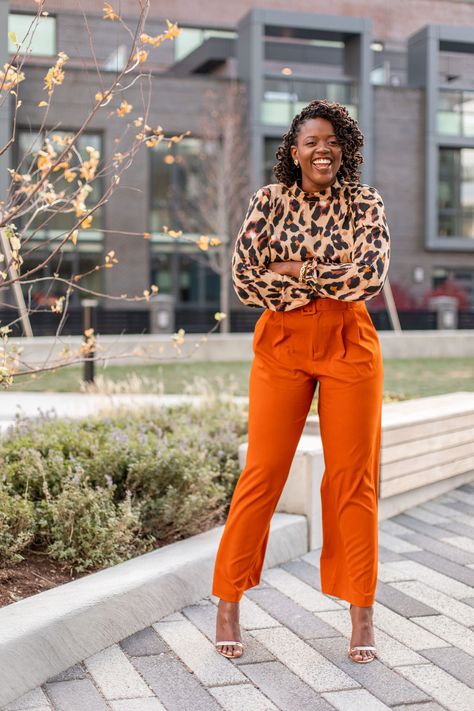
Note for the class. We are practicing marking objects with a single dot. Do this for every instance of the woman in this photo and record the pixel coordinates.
(313, 248)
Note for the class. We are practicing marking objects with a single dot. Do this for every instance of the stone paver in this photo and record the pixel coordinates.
(354, 699)
(285, 689)
(443, 687)
(296, 637)
(383, 683)
(32, 700)
(396, 571)
(75, 695)
(445, 627)
(115, 676)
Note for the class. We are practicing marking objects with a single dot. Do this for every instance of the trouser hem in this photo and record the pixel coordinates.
(355, 598)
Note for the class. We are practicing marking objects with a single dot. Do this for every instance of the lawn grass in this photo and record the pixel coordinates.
(407, 378)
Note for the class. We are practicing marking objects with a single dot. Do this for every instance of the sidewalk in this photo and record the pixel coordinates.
(296, 638)
(33, 404)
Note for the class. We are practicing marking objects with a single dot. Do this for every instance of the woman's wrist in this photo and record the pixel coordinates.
(293, 269)
(288, 268)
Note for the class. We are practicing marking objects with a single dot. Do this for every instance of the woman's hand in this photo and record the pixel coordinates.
(290, 268)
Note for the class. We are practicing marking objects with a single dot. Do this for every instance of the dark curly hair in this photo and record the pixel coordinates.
(346, 129)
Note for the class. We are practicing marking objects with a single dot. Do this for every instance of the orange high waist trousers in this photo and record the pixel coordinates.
(333, 343)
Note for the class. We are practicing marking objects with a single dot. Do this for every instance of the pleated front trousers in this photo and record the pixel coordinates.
(333, 343)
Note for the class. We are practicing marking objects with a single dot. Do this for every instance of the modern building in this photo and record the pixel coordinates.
(408, 78)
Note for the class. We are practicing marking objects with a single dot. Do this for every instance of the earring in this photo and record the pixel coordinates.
(295, 162)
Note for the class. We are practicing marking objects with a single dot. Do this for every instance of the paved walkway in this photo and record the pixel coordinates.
(33, 404)
(296, 638)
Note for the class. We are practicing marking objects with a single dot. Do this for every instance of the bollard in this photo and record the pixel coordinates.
(446, 308)
(162, 313)
(89, 318)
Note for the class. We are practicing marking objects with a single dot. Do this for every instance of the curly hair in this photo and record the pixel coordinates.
(346, 129)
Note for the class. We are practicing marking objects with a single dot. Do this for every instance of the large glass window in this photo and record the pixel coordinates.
(456, 113)
(36, 35)
(48, 223)
(190, 38)
(271, 145)
(456, 192)
(177, 175)
(179, 185)
(285, 97)
(45, 290)
(180, 269)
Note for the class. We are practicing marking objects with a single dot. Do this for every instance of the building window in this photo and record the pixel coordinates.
(190, 38)
(284, 98)
(456, 113)
(75, 259)
(45, 290)
(180, 270)
(456, 192)
(269, 159)
(37, 36)
(176, 186)
(27, 144)
(178, 189)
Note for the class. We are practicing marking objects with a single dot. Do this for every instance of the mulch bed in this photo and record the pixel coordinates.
(32, 575)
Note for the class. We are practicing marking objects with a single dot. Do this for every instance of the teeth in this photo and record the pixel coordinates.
(321, 162)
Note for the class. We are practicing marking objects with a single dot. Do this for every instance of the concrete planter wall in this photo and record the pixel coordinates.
(427, 449)
(118, 350)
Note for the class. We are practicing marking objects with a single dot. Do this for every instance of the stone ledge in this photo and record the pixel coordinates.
(48, 632)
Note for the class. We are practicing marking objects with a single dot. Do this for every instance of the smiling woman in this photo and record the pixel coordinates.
(312, 249)
(319, 153)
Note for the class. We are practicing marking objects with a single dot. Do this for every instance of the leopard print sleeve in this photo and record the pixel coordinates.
(255, 284)
(364, 276)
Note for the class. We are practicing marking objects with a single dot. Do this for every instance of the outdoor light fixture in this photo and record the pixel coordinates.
(287, 71)
(418, 274)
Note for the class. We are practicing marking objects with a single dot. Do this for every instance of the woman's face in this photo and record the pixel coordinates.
(318, 153)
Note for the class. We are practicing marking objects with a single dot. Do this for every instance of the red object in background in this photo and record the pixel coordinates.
(449, 288)
(404, 301)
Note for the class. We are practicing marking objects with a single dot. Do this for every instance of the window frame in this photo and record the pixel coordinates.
(93, 237)
(455, 211)
(32, 15)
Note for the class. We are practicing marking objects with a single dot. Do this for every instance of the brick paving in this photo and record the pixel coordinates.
(296, 637)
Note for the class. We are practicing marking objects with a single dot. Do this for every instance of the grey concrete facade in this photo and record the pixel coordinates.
(354, 32)
(424, 50)
(397, 114)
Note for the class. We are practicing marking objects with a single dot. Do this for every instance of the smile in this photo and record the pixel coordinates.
(321, 164)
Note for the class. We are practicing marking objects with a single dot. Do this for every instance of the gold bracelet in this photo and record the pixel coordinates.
(302, 276)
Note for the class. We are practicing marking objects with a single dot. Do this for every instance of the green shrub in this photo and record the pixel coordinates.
(17, 525)
(108, 488)
(85, 529)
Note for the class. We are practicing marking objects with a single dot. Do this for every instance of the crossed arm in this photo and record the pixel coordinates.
(276, 285)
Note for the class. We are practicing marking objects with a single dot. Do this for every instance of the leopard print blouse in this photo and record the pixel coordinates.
(341, 229)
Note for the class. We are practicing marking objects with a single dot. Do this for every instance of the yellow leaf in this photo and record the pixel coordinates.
(86, 223)
(124, 108)
(43, 103)
(12, 37)
(109, 13)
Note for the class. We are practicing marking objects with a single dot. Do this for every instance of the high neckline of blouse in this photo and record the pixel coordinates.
(329, 191)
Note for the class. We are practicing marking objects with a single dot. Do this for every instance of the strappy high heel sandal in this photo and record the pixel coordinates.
(361, 646)
(362, 661)
(235, 643)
